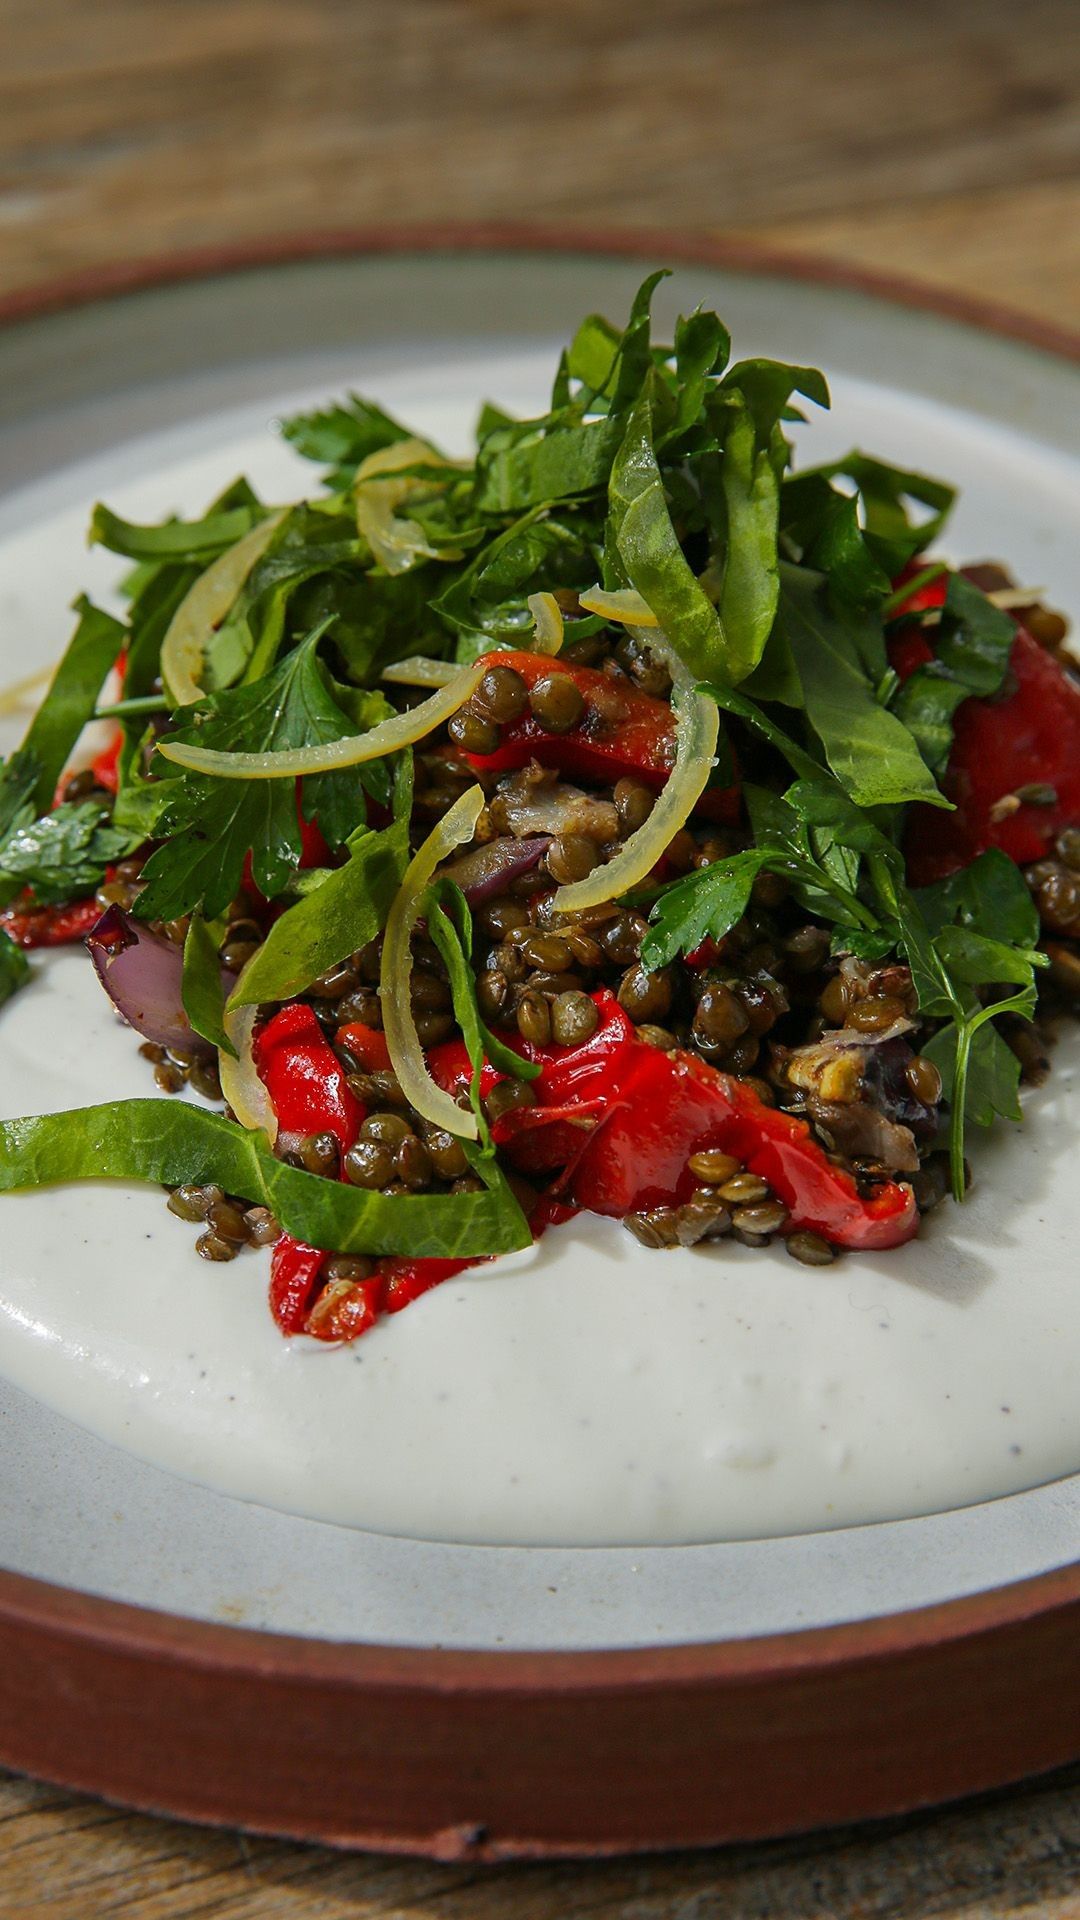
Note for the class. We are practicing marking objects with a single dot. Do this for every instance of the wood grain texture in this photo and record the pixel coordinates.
(943, 138)
(934, 139)
(68, 1859)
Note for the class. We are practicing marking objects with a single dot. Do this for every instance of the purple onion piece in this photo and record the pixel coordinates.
(141, 972)
(886, 1077)
(489, 870)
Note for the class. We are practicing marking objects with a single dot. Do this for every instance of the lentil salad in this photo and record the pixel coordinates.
(621, 820)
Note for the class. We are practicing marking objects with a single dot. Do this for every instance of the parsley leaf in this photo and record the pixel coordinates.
(704, 905)
(343, 435)
(64, 854)
(870, 750)
(213, 825)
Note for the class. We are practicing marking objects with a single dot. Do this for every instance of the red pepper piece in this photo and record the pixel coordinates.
(652, 1111)
(304, 1077)
(346, 1314)
(50, 926)
(672, 1105)
(295, 1277)
(547, 1139)
(622, 731)
(574, 1087)
(366, 1044)
(308, 1088)
(591, 1070)
(451, 1068)
(294, 1274)
(1031, 737)
(407, 1279)
(706, 955)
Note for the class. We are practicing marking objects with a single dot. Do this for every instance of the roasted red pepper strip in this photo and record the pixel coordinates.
(622, 731)
(307, 1086)
(294, 1272)
(672, 1105)
(653, 1110)
(366, 1044)
(1029, 737)
(50, 926)
(304, 1077)
(407, 1279)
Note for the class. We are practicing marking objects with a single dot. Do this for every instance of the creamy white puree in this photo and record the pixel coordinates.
(587, 1392)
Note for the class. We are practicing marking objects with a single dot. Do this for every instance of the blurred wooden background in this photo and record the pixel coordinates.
(939, 138)
(935, 138)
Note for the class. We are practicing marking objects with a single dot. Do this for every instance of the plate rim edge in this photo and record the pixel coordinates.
(89, 1626)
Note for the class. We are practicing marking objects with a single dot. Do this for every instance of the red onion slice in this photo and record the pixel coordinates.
(489, 870)
(141, 972)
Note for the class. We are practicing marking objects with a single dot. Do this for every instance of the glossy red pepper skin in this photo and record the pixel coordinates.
(307, 1086)
(405, 1280)
(367, 1046)
(50, 926)
(294, 1273)
(1031, 736)
(650, 1111)
(622, 732)
(304, 1077)
(672, 1105)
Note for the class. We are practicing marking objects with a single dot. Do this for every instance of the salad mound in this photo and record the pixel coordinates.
(620, 819)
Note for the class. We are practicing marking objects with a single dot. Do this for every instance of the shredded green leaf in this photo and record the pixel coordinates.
(169, 1142)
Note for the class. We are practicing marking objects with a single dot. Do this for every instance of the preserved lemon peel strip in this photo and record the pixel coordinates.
(19, 693)
(203, 609)
(548, 625)
(390, 735)
(418, 671)
(396, 543)
(240, 1083)
(697, 726)
(624, 606)
(406, 1054)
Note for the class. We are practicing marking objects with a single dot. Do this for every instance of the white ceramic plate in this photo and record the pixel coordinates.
(154, 401)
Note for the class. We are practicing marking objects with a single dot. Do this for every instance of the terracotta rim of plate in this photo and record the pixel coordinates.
(489, 1755)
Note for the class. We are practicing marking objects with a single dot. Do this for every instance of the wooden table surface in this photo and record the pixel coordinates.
(935, 138)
